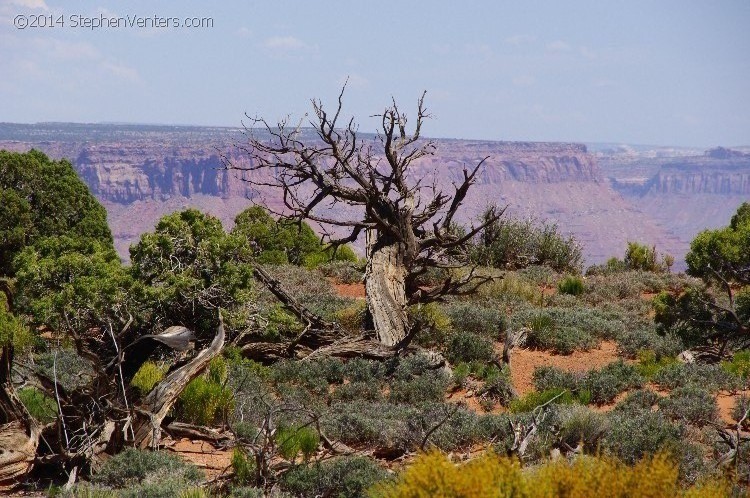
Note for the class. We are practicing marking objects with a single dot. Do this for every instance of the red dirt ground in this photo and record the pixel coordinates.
(525, 361)
(726, 401)
(201, 453)
(356, 290)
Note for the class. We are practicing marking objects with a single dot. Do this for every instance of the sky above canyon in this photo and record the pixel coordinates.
(641, 72)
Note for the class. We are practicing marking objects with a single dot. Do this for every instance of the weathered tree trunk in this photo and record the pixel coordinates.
(19, 432)
(155, 406)
(385, 288)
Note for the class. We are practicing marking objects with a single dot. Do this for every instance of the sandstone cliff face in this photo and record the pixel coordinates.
(528, 162)
(686, 193)
(142, 173)
(718, 171)
(709, 177)
(125, 174)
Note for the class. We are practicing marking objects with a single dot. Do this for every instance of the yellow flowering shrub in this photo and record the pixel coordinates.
(489, 476)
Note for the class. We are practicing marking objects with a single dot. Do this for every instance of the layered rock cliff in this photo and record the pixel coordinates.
(685, 193)
(702, 176)
(141, 173)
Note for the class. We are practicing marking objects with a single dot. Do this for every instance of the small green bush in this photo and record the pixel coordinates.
(247, 492)
(641, 257)
(243, 467)
(467, 347)
(430, 386)
(633, 436)
(475, 317)
(567, 329)
(562, 339)
(690, 404)
(207, 399)
(739, 366)
(85, 490)
(147, 377)
(72, 371)
(710, 377)
(497, 386)
(292, 441)
(434, 323)
(549, 377)
(515, 243)
(313, 376)
(162, 487)
(344, 477)
(310, 288)
(370, 391)
(42, 407)
(609, 381)
(133, 466)
(392, 429)
(512, 288)
(638, 401)
(648, 366)
(533, 399)
(646, 337)
(460, 374)
(362, 370)
(395, 429)
(571, 285)
(595, 386)
(279, 324)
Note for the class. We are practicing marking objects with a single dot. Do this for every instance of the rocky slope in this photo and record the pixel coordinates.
(143, 172)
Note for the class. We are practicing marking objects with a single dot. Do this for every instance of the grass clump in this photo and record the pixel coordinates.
(580, 425)
(147, 377)
(497, 385)
(648, 364)
(293, 440)
(243, 467)
(572, 285)
(533, 399)
(739, 366)
(563, 339)
(568, 329)
(42, 407)
(207, 399)
(352, 317)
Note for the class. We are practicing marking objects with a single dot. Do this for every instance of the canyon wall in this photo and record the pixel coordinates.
(141, 173)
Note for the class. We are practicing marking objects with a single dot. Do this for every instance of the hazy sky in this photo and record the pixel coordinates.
(668, 72)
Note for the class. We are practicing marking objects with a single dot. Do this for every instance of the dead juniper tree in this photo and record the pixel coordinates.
(409, 226)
